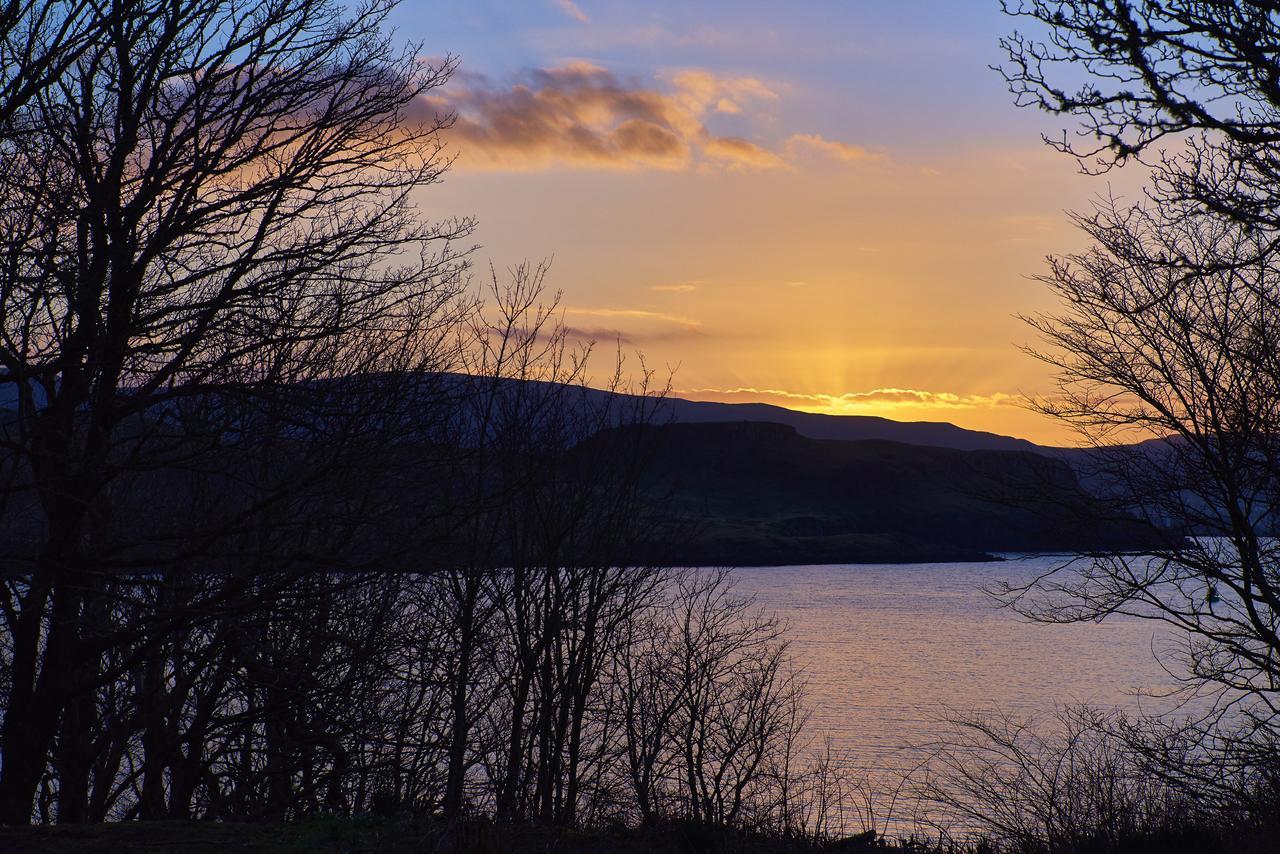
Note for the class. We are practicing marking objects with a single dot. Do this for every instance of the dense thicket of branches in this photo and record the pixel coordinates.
(293, 522)
(506, 663)
(1187, 87)
(207, 215)
(439, 623)
(1086, 779)
(564, 690)
(1167, 348)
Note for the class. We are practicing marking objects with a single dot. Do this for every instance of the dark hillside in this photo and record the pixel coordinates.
(815, 425)
(809, 424)
(762, 494)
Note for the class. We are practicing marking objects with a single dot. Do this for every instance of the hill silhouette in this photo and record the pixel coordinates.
(760, 493)
(756, 484)
(940, 434)
(813, 425)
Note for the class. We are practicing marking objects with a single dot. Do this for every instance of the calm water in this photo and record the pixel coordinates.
(889, 649)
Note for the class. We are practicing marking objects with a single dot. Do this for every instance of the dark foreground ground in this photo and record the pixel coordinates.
(343, 835)
(335, 835)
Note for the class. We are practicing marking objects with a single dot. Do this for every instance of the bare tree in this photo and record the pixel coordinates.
(39, 41)
(1168, 369)
(1056, 784)
(711, 710)
(266, 554)
(1166, 349)
(207, 197)
(1187, 87)
(548, 565)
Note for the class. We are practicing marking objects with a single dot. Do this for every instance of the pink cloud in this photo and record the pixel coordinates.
(583, 115)
(571, 9)
(877, 399)
(831, 148)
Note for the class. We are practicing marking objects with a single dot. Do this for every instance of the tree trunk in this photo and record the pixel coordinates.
(154, 747)
(35, 702)
(460, 729)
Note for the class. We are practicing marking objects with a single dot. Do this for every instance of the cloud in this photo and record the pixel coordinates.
(579, 114)
(739, 152)
(582, 115)
(596, 334)
(634, 313)
(571, 9)
(680, 288)
(702, 91)
(873, 401)
(630, 325)
(815, 143)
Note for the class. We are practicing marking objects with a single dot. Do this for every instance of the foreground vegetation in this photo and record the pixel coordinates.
(310, 546)
(371, 834)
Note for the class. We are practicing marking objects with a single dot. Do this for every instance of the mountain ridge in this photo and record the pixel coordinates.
(760, 493)
(815, 425)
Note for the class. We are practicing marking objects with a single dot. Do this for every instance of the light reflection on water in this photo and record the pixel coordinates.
(888, 649)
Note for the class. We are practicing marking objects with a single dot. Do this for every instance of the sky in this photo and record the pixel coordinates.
(831, 205)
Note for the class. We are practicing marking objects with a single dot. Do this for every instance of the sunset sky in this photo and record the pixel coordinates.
(831, 205)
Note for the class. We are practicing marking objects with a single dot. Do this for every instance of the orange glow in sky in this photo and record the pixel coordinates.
(833, 208)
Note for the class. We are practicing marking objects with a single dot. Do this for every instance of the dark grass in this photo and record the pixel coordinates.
(336, 835)
(331, 835)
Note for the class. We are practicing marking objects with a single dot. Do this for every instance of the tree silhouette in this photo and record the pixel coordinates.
(197, 197)
(1189, 88)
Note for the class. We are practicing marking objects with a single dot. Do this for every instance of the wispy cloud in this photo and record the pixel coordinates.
(818, 144)
(583, 115)
(876, 400)
(738, 152)
(630, 325)
(571, 9)
(702, 91)
(635, 314)
(678, 288)
(628, 312)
